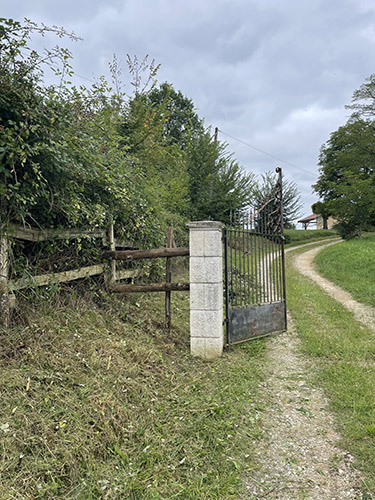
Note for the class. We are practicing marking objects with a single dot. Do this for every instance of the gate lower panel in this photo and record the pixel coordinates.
(251, 322)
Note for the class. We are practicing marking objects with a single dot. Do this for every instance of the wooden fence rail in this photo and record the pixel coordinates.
(36, 234)
(14, 231)
(151, 287)
(154, 253)
(66, 276)
(7, 287)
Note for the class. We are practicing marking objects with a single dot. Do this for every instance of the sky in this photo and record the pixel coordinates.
(275, 74)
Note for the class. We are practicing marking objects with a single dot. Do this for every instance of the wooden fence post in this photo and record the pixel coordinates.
(112, 246)
(4, 269)
(168, 279)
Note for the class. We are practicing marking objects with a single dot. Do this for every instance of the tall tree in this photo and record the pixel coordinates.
(217, 183)
(346, 181)
(181, 121)
(160, 160)
(321, 208)
(363, 100)
(263, 190)
(347, 176)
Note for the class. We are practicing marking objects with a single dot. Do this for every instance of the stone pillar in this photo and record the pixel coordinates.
(206, 289)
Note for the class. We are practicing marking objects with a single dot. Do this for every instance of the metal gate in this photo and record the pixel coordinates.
(255, 303)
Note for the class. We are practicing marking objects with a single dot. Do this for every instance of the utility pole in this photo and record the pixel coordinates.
(213, 164)
(215, 135)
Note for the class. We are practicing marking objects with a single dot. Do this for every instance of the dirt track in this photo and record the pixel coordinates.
(304, 264)
(300, 457)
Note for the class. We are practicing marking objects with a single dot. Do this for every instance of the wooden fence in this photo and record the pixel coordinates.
(168, 253)
(7, 287)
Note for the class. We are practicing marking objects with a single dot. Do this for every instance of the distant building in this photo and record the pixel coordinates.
(318, 222)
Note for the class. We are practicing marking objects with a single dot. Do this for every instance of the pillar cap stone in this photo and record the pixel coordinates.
(205, 224)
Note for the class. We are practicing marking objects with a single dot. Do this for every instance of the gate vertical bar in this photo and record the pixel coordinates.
(239, 274)
(245, 299)
(226, 284)
(248, 260)
(231, 265)
(256, 262)
(279, 171)
(267, 254)
(235, 269)
(262, 262)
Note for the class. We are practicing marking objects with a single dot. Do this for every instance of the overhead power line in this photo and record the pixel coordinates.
(267, 154)
(84, 78)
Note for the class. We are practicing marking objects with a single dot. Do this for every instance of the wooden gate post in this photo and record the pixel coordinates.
(4, 269)
(206, 289)
(112, 246)
(168, 279)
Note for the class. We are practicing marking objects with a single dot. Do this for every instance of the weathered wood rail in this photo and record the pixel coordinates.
(66, 276)
(152, 287)
(168, 253)
(13, 231)
(36, 234)
(129, 255)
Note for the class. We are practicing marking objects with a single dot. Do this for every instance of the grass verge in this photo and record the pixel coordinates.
(99, 402)
(344, 352)
(351, 265)
(295, 237)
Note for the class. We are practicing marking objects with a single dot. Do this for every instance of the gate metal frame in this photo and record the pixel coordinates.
(254, 270)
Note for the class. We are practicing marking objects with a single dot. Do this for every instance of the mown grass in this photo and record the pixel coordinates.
(344, 352)
(351, 265)
(294, 237)
(98, 401)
